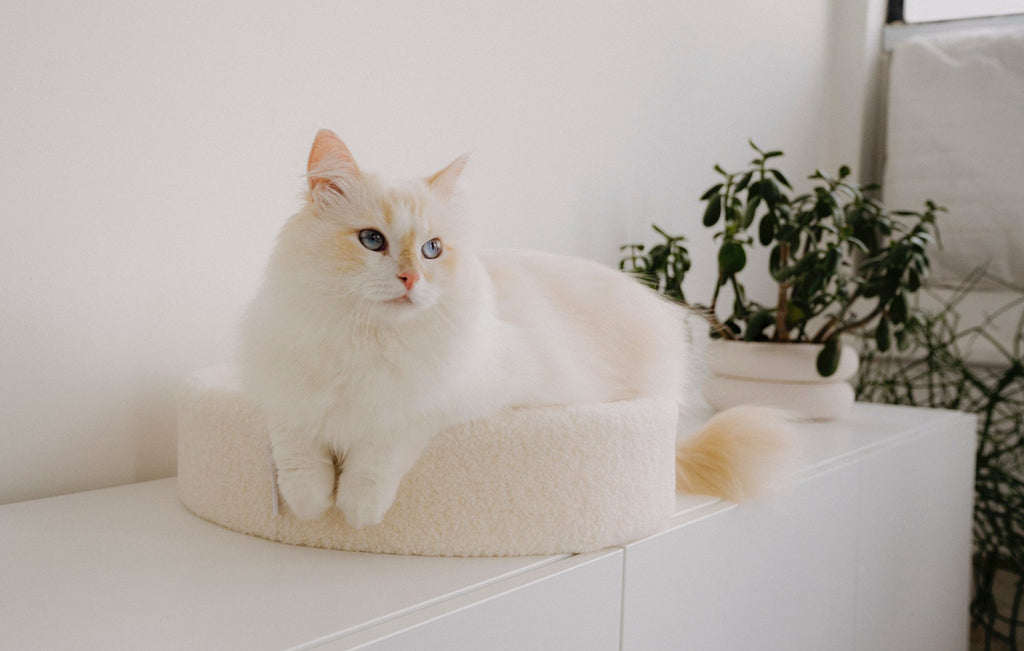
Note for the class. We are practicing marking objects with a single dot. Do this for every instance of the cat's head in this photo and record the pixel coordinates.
(388, 249)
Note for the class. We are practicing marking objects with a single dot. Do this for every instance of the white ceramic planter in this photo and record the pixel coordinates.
(778, 375)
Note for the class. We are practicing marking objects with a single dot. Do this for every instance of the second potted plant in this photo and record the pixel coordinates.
(840, 261)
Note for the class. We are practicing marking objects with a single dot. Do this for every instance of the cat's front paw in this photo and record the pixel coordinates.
(308, 491)
(363, 502)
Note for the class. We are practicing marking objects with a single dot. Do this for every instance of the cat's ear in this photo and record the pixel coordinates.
(330, 165)
(443, 183)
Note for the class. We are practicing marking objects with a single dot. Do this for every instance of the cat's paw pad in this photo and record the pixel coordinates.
(307, 492)
(364, 503)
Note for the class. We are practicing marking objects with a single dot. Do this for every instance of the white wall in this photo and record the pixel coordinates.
(149, 151)
(857, 88)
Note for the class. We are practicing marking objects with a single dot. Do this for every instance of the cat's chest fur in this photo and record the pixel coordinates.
(342, 375)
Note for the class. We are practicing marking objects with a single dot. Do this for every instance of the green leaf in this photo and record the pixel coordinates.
(828, 358)
(751, 209)
(658, 255)
(754, 190)
(854, 242)
(774, 258)
(791, 271)
(794, 314)
(739, 310)
(781, 178)
(898, 309)
(791, 235)
(882, 339)
(731, 258)
(832, 259)
(744, 181)
(734, 216)
(712, 191)
(683, 262)
(815, 282)
(766, 230)
(713, 211)
(756, 325)
(902, 340)
(913, 281)
(890, 285)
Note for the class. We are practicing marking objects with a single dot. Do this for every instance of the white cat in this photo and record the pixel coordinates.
(378, 325)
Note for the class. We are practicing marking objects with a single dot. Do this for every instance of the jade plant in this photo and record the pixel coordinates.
(839, 259)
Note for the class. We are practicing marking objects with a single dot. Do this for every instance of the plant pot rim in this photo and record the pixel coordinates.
(744, 342)
(776, 361)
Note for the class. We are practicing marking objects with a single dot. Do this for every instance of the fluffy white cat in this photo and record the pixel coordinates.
(378, 325)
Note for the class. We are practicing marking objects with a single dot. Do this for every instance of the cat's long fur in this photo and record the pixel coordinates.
(361, 355)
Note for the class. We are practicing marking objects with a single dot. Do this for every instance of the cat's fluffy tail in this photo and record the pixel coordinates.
(741, 453)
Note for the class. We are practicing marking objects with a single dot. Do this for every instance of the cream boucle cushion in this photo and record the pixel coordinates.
(526, 481)
(954, 135)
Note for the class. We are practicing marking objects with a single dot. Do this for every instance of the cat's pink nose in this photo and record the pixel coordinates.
(409, 279)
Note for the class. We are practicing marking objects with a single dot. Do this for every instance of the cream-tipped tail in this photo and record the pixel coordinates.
(741, 453)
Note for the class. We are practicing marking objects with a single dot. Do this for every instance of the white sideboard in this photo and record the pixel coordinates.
(870, 549)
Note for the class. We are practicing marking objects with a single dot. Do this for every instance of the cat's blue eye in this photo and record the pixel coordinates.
(431, 249)
(373, 239)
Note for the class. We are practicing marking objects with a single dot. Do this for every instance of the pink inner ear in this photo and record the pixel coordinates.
(444, 181)
(330, 159)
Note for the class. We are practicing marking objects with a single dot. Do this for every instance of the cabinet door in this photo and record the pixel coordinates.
(914, 572)
(777, 573)
(572, 604)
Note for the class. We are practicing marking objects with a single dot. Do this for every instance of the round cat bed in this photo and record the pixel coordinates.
(526, 481)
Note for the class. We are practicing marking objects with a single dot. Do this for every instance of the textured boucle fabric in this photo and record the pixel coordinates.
(526, 481)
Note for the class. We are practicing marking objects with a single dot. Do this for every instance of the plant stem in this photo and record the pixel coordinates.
(825, 329)
(831, 330)
(711, 313)
(737, 289)
(713, 309)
